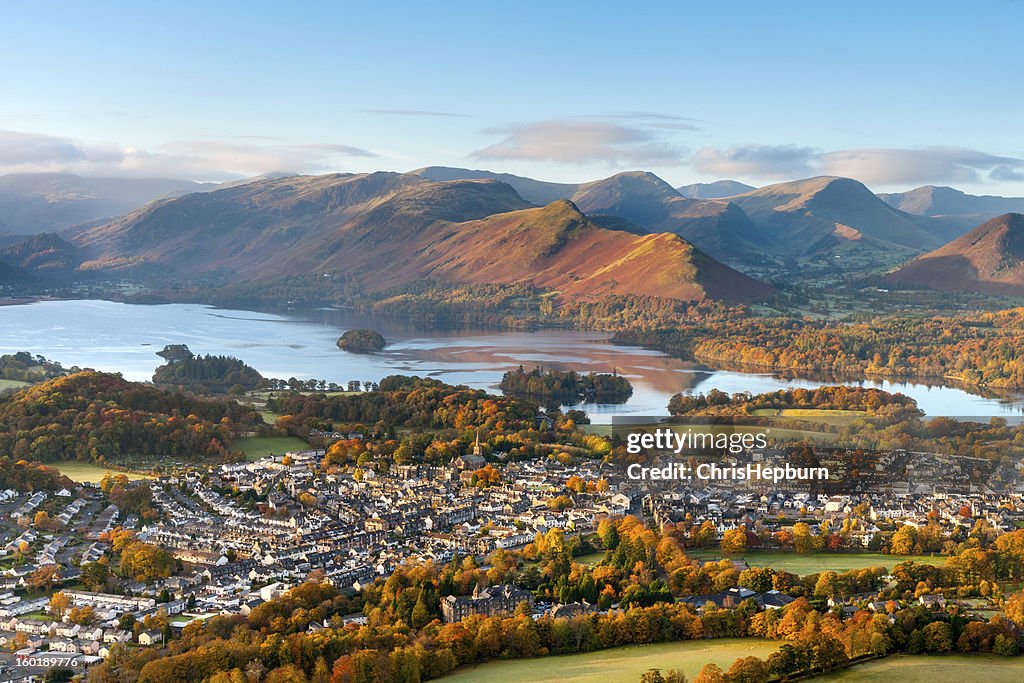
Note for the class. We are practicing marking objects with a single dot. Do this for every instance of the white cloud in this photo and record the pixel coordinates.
(580, 141)
(879, 166)
(917, 166)
(756, 161)
(192, 159)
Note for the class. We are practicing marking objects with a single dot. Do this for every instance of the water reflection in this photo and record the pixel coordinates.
(124, 338)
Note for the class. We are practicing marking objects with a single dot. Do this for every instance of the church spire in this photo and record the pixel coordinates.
(476, 446)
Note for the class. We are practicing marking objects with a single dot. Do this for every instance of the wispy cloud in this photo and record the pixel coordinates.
(194, 159)
(581, 140)
(653, 119)
(414, 112)
(920, 166)
(874, 166)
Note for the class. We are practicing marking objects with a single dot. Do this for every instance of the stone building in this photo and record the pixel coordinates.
(490, 601)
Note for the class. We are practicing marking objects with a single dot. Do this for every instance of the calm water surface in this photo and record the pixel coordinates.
(125, 338)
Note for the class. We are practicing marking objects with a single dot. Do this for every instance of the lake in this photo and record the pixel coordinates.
(125, 338)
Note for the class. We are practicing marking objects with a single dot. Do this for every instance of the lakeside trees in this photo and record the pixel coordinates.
(981, 348)
(402, 401)
(869, 400)
(567, 387)
(24, 367)
(206, 374)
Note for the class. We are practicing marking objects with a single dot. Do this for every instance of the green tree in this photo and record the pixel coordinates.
(938, 637)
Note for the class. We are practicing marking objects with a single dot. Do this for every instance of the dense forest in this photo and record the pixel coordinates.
(93, 416)
(207, 374)
(568, 387)
(402, 401)
(983, 349)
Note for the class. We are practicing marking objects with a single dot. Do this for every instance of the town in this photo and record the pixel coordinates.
(227, 538)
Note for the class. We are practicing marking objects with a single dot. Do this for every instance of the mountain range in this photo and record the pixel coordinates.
(716, 190)
(390, 229)
(639, 197)
(629, 233)
(812, 217)
(46, 202)
(823, 214)
(951, 210)
(988, 259)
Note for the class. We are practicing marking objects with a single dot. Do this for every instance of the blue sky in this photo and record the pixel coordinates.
(895, 94)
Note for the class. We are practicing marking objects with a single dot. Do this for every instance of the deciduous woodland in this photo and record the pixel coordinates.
(402, 401)
(566, 386)
(871, 401)
(93, 416)
(981, 349)
(646, 584)
(208, 374)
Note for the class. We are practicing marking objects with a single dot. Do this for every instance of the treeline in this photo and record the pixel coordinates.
(22, 475)
(208, 374)
(24, 367)
(982, 349)
(274, 643)
(516, 305)
(892, 422)
(567, 387)
(93, 416)
(402, 401)
(635, 312)
(994, 440)
(872, 401)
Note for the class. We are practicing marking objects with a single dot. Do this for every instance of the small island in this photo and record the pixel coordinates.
(566, 387)
(204, 374)
(362, 341)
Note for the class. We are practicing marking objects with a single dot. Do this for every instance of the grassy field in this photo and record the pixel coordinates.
(589, 558)
(926, 669)
(87, 472)
(838, 418)
(617, 665)
(256, 447)
(12, 384)
(816, 562)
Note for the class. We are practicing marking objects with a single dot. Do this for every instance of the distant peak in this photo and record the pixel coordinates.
(562, 208)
